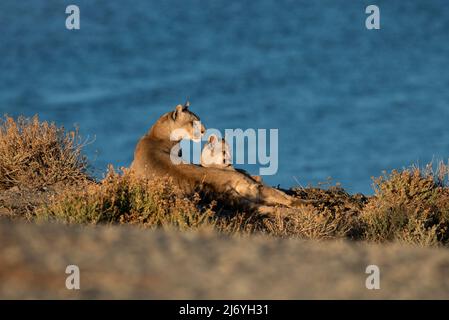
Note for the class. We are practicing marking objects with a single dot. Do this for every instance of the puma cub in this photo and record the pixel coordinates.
(156, 150)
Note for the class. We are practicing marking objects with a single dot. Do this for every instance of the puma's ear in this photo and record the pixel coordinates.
(212, 139)
(177, 112)
(186, 105)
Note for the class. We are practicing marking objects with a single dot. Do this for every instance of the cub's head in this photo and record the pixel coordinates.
(216, 153)
(179, 124)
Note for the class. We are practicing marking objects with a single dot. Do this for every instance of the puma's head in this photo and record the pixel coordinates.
(179, 124)
(216, 153)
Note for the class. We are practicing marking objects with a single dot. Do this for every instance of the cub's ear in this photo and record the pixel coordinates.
(186, 105)
(177, 112)
(212, 139)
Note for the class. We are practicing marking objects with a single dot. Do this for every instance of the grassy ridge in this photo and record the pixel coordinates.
(38, 158)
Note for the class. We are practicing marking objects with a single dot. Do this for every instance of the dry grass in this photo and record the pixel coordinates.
(410, 206)
(36, 154)
(336, 212)
(124, 198)
(308, 223)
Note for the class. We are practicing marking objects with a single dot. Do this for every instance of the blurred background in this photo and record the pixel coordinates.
(348, 102)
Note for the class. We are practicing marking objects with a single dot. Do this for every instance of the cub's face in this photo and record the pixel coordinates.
(185, 124)
(216, 153)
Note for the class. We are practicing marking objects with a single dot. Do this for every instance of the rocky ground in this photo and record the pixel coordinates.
(19, 203)
(127, 262)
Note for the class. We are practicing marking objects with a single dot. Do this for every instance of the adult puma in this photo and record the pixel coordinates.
(154, 154)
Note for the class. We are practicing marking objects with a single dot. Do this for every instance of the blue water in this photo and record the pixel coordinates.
(348, 102)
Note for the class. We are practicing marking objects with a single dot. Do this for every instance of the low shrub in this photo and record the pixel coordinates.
(124, 198)
(410, 206)
(36, 154)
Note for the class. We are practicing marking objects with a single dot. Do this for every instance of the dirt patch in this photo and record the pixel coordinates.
(20, 203)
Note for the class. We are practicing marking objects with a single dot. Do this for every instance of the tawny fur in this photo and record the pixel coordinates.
(152, 159)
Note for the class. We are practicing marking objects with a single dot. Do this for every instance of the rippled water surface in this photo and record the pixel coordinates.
(348, 102)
